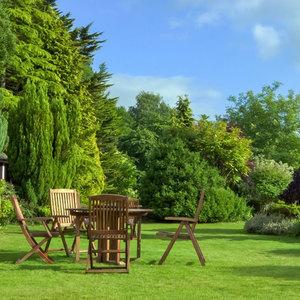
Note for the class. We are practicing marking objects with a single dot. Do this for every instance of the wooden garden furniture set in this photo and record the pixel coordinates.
(109, 220)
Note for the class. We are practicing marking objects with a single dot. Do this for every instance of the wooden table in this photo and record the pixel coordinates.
(83, 213)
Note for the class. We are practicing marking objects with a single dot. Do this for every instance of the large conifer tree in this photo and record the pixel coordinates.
(31, 136)
(47, 53)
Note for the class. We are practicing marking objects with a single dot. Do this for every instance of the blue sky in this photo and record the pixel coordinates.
(207, 49)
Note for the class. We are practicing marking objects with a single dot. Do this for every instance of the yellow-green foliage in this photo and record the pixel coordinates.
(46, 52)
(224, 147)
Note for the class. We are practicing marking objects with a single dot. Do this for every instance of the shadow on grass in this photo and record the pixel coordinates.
(281, 272)
(225, 234)
(10, 257)
(287, 252)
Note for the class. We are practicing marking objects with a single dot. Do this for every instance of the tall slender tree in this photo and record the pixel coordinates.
(30, 143)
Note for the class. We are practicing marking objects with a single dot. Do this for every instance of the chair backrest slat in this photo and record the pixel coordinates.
(199, 206)
(109, 212)
(60, 201)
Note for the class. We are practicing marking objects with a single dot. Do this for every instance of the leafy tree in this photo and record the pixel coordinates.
(147, 119)
(150, 112)
(271, 121)
(138, 144)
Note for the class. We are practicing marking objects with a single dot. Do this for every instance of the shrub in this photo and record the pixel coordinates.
(296, 228)
(172, 181)
(6, 210)
(269, 224)
(288, 210)
(222, 204)
(267, 181)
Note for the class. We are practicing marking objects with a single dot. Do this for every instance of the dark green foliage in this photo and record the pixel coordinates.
(292, 193)
(30, 144)
(7, 41)
(287, 210)
(137, 144)
(271, 121)
(119, 171)
(88, 42)
(172, 181)
(121, 175)
(147, 119)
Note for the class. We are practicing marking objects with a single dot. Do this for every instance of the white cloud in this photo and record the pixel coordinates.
(204, 100)
(267, 40)
(284, 15)
(207, 18)
(174, 24)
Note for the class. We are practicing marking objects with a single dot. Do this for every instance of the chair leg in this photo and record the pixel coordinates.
(38, 250)
(139, 238)
(47, 245)
(163, 258)
(89, 262)
(62, 236)
(195, 244)
(127, 254)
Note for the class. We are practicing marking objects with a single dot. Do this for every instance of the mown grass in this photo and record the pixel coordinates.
(239, 266)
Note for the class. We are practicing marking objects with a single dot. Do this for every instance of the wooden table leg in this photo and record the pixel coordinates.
(78, 222)
(139, 237)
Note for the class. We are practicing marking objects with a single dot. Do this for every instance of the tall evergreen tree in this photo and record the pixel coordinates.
(183, 112)
(30, 143)
(47, 52)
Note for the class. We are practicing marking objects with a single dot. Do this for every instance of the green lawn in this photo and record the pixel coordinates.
(239, 266)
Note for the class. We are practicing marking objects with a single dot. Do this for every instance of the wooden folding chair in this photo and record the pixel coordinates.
(60, 202)
(190, 224)
(46, 234)
(108, 223)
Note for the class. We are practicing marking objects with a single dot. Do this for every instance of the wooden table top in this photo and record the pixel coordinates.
(131, 211)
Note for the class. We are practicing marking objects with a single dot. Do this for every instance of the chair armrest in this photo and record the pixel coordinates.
(60, 216)
(181, 219)
(39, 219)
